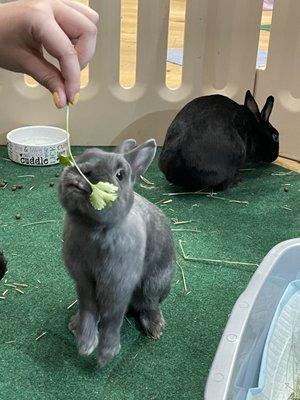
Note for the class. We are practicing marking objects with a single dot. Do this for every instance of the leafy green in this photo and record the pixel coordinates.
(66, 161)
(103, 193)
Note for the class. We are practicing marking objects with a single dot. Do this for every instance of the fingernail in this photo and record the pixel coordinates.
(56, 99)
(75, 99)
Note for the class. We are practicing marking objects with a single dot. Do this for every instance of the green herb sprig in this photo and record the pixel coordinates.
(103, 193)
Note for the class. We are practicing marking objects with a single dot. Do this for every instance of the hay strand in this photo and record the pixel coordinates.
(146, 181)
(72, 304)
(282, 173)
(21, 284)
(286, 208)
(189, 193)
(183, 277)
(147, 187)
(127, 319)
(167, 201)
(229, 200)
(39, 222)
(208, 194)
(175, 222)
(185, 230)
(40, 336)
(160, 201)
(210, 260)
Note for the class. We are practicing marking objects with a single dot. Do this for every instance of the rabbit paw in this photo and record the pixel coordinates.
(87, 346)
(153, 323)
(107, 354)
(86, 343)
(73, 323)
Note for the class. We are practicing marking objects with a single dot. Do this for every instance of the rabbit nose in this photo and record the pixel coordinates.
(78, 183)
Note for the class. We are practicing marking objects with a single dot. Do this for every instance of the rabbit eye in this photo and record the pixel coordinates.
(275, 137)
(120, 174)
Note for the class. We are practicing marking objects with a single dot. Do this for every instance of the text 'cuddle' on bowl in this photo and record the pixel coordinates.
(37, 145)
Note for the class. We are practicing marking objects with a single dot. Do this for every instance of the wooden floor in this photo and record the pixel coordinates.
(175, 40)
(289, 164)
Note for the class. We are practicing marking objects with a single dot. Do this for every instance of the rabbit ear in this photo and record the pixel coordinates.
(268, 107)
(251, 104)
(141, 157)
(126, 146)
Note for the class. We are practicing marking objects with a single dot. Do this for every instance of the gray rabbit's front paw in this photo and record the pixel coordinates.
(153, 323)
(73, 323)
(107, 354)
(87, 345)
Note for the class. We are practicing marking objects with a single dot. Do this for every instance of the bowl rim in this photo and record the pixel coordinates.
(22, 128)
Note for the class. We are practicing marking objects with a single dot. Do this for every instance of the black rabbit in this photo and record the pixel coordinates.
(3, 264)
(121, 257)
(212, 137)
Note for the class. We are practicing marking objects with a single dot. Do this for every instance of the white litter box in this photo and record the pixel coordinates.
(237, 362)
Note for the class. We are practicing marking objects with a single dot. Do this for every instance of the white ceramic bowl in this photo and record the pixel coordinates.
(36, 145)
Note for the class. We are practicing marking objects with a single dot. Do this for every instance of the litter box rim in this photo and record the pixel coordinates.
(219, 379)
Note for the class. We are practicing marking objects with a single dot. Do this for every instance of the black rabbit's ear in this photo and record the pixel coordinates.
(251, 104)
(141, 157)
(268, 107)
(126, 146)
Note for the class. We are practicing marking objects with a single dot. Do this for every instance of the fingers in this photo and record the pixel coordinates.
(92, 15)
(69, 35)
(80, 30)
(57, 43)
(47, 75)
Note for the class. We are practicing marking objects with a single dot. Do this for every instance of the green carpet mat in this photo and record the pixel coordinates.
(175, 367)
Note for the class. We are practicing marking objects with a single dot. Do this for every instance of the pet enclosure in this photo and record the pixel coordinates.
(219, 56)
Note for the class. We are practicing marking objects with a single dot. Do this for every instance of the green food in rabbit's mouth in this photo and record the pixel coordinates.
(103, 193)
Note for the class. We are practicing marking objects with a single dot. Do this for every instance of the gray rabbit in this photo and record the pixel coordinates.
(120, 258)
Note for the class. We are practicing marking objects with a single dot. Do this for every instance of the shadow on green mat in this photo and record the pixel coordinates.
(175, 367)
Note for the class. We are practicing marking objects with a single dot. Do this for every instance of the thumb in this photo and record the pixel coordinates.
(48, 76)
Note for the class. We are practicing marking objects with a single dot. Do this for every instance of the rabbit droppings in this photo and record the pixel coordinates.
(121, 257)
(212, 137)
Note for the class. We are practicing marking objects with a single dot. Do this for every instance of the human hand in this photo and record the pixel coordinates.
(66, 29)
